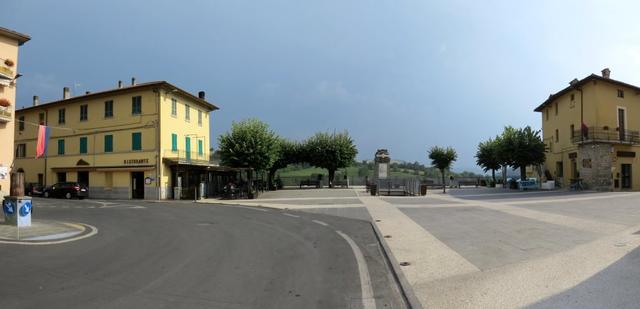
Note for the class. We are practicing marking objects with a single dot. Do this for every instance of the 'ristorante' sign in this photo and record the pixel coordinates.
(136, 161)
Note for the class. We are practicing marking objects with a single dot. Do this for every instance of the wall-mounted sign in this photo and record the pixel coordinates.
(148, 180)
(626, 154)
(136, 161)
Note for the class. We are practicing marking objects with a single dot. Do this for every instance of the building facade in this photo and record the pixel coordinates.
(138, 141)
(592, 132)
(10, 41)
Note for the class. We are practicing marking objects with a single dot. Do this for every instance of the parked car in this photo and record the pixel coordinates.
(67, 190)
(33, 189)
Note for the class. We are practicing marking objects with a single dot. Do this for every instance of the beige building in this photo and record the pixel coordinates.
(10, 41)
(133, 141)
(592, 132)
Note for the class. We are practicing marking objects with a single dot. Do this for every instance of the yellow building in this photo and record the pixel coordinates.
(135, 141)
(591, 129)
(9, 44)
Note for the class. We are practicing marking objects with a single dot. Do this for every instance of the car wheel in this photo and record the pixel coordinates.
(46, 194)
(67, 195)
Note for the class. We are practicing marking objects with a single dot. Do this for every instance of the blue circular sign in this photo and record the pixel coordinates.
(8, 207)
(25, 209)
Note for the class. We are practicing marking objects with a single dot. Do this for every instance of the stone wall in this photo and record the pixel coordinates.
(595, 166)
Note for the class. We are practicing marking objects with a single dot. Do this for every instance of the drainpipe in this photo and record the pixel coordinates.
(159, 155)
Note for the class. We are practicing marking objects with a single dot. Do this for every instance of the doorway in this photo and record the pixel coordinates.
(137, 185)
(626, 176)
(83, 178)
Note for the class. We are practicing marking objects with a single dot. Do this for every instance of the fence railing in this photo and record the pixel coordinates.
(187, 156)
(395, 186)
(603, 134)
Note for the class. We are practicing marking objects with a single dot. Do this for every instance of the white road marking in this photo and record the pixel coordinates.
(290, 215)
(94, 231)
(368, 302)
(320, 222)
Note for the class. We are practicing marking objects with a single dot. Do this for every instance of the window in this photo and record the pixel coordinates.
(174, 107)
(83, 112)
(108, 109)
(200, 150)
(21, 151)
(61, 116)
(199, 117)
(83, 145)
(187, 117)
(547, 112)
(108, 143)
(556, 104)
(174, 142)
(573, 97)
(557, 136)
(41, 119)
(572, 132)
(620, 93)
(136, 141)
(136, 105)
(60, 146)
(559, 169)
(21, 123)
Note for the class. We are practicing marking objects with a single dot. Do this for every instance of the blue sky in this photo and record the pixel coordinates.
(402, 75)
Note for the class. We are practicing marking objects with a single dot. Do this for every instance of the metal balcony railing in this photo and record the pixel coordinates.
(183, 156)
(5, 115)
(605, 135)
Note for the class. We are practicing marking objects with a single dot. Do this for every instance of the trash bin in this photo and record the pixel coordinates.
(423, 189)
(374, 189)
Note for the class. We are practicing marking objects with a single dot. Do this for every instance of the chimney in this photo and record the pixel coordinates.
(119, 84)
(606, 73)
(65, 93)
(36, 100)
(201, 95)
(133, 81)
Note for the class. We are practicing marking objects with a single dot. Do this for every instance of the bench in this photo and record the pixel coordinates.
(310, 183)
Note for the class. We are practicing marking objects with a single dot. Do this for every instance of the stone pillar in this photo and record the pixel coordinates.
(382, 160)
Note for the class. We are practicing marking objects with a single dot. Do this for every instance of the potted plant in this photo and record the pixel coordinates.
(9, 62)
(4, 102)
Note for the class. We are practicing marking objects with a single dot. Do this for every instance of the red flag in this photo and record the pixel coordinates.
(43, 141)
(585, 130)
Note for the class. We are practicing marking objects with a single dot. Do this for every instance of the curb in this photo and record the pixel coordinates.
(405, 288)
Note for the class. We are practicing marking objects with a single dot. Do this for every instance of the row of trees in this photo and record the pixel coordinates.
(252, 144)
(516, 148)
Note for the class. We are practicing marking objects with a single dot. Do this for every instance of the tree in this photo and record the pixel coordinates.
(520, 148)
(249, 144)
(487, 157)
(330, 151)
(442, 158)
(289, 152)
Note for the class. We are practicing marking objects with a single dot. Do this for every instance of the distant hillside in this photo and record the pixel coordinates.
(397, 169)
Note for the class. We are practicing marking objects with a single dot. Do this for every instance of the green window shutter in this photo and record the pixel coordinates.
(60, 146)
(108, 143)
(188, 148)
(83, 145)
(136, 141)
(174, 142)
(200, 152)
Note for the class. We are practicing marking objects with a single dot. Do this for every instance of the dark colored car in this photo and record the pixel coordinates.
(67, 190)
(33, 189)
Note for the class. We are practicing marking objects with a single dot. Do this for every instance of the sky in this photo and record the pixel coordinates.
(400, 75)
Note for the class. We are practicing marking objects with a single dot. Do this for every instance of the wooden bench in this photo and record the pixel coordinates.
(310, 183)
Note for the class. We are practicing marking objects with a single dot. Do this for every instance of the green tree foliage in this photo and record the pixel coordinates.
(330, 151)
(487, 157)
(519, 148)
(289, 152)
(250, 143)
(442, 158)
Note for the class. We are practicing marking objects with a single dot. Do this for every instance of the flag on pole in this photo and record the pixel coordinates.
(43, 141)
(585, 130)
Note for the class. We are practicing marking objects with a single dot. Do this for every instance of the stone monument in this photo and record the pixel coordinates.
(382, 160)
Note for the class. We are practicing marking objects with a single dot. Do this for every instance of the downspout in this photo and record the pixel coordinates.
(158, 156)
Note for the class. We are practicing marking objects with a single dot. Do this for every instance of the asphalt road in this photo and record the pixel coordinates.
(181, 255)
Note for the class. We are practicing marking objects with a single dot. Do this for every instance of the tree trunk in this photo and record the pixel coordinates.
(272, 173)
(523, 172)
(444, 185)
(332, 173)
(250, 192)
(493, 175)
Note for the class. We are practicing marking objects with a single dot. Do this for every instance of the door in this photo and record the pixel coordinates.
(626, 176)
(83, 178)
(62, 176)
(137, 185)
(621, 124)
(187, 148)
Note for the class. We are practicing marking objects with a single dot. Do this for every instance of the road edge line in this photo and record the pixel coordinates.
(410, 298)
